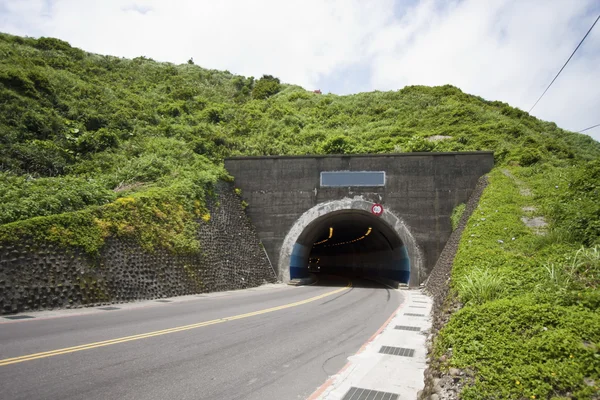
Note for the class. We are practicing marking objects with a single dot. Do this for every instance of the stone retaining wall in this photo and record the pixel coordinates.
(38, 276)
(438, 384)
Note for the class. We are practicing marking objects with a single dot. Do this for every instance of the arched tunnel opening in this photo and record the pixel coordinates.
(350, 243)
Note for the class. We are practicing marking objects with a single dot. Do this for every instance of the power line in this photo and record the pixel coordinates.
(587, 129)
(563, 67)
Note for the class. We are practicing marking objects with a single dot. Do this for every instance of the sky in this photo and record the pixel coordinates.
(507, 50)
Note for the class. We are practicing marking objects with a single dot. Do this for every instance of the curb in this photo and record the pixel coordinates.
(303, 281)
(389, 374)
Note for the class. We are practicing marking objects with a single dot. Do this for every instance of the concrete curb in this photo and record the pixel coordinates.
(398, 377)
(303, 281)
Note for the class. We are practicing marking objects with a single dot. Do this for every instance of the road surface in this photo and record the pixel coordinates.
(280, 342)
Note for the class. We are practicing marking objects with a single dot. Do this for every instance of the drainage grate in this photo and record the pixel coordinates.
(397, 351)
(417, 301)
(164, 301)
(19, 317)
(414, 315)
(109, 308)
(417, 307)
(408, 328)
(367, 394)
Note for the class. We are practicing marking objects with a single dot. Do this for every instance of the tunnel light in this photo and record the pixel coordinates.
(323, 241)
(347, 242)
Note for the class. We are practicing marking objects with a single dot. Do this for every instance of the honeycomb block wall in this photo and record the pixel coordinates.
(44, 275)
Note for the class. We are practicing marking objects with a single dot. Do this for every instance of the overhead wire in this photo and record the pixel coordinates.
(587, 129)
(563, 67)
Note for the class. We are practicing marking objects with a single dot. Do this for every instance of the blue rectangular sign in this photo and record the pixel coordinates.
(352, 178)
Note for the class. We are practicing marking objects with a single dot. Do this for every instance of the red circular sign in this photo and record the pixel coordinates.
(377, 209)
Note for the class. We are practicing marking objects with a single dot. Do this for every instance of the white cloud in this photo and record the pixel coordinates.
(504, 50)
(500, 50)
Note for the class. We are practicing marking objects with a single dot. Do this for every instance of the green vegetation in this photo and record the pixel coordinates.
(481, 286)
(265, 87)
(457, 214)
(96, 146)
(530, 324)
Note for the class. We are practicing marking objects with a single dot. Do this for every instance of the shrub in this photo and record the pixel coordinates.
(100, 140)
(265, 87)
(524, 348)
(529, 157)
(418, 144)
(576, 209)
(46, 43)
(23, 198)
(337, 145)
(43, 157)
(141, 127)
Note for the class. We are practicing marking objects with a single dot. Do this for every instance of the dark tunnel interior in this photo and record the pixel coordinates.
(350, 243)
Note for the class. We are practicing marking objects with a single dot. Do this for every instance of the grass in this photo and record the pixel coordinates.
(480, 286)
(529, 327)
(457, 215)
(95, 146)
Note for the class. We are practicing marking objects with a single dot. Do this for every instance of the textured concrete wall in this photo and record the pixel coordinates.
(421, 188)
(35, 276)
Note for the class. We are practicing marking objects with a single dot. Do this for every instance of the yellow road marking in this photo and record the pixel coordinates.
(94, 345)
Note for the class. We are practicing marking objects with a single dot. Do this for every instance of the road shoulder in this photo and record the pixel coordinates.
(392, 362)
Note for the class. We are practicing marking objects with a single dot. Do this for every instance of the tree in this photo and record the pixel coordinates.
(265, 87)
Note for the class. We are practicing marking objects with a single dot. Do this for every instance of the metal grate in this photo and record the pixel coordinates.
(414, 315)
(408, 328)
(108, 308)
(367, 394)
(163, 301)
(417, 301)
(19, 317)
(417, 307)
(397, 351)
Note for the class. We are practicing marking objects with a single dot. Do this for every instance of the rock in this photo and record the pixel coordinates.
(434, 396)
(589, 381)
(454, 371)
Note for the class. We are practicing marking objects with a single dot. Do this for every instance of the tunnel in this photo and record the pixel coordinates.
(350, 243)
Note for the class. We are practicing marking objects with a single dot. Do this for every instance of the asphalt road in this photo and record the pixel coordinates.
(282, 343)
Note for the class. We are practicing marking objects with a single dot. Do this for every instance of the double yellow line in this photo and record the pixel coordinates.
(94, 345)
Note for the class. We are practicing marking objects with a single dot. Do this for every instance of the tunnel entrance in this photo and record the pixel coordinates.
(350, 243)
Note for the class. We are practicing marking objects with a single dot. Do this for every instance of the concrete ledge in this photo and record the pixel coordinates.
(421, 154)
(303, 281)
(387, 282)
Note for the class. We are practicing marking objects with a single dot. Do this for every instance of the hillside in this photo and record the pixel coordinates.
(96, 146)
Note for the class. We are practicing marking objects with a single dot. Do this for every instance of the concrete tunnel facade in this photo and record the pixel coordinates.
(348, 239)
(293, 201)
